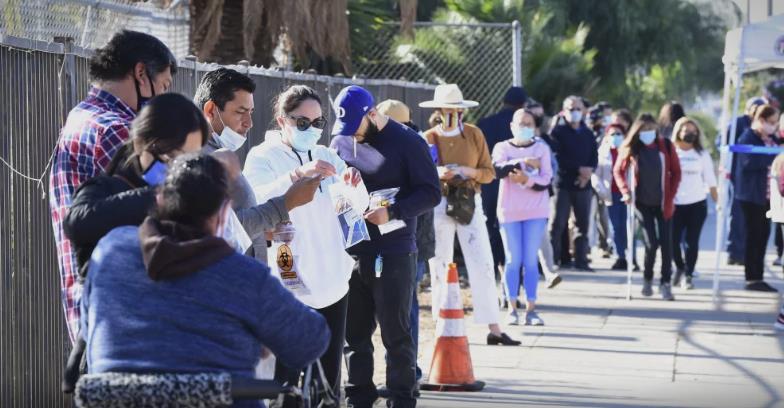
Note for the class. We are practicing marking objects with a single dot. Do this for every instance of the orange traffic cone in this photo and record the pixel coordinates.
(451, 368)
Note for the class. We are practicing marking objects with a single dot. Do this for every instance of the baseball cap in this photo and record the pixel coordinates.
(351, 105)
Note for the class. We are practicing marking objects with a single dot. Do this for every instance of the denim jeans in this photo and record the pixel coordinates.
(618, 216)
(521, 245)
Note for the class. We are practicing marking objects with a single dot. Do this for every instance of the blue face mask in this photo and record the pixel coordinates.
(305, 140)
(156, 173)
(522, 134)
(648, 136)
(617, 140)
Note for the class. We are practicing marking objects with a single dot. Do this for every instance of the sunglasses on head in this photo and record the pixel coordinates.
(304, 123)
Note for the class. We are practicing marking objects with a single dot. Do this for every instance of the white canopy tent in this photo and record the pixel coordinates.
(750, 48)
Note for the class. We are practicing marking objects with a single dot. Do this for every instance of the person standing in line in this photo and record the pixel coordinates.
(754, 196)
(523, 165)
(577, 154)
(736, 237)
(387, 155)
(128, 71)
(657, 175)
(496, 129)
(464, 164)
(324, 268)
(669, 114)
(609, 191)
(225, 96)
(425, 232)
(691, 206)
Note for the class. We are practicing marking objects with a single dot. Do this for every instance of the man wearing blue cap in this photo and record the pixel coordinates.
(388, 155)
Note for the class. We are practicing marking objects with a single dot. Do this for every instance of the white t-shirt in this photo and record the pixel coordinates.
(697, 176)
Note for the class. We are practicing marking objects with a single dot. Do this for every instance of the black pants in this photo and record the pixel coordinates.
(779, 240)
(657, 233)
(332, 359)
(757, 233)
(686, 227)
(580, 201)
(387, 300)
(494, 231)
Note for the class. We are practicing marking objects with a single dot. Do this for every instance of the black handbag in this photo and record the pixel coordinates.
(460, 197)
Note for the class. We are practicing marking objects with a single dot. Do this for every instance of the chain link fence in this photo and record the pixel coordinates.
(91, 23)
(482, 58)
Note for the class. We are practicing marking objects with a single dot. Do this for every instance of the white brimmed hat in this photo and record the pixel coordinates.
(448, 96)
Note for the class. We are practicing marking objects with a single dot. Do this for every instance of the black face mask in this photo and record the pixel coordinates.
(690, 138)
(371, 133)
(142, 100)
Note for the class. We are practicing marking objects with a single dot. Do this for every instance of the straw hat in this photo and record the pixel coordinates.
(448, 96)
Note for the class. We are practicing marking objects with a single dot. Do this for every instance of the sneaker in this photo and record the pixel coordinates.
(777, 261)
(760, 286)
(554, 281)
(512, 319)
(533, 319)
(647, 288)
(666, 291)
(620, 265)
(734, 261)
(687, 284)
(676, 280)
(583, 267)
(636, 267)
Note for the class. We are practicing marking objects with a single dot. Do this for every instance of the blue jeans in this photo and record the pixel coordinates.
(521, 245)
(618, 219)
(420, 273)
(737, 233)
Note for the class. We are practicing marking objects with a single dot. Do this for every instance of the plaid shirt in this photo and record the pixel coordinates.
(93, 132)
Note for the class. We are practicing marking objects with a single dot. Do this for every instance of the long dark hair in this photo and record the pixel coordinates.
(632, 144)
(194, 190)
(162, 126)
(680, 124)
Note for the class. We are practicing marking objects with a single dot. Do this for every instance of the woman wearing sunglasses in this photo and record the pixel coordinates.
(324, 267)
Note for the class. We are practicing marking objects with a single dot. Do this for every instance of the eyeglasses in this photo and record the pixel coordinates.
(304, 123)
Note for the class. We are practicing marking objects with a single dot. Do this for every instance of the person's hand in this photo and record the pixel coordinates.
(445, 173)
(379, 216)
(627, 199)
(301, 192)
(265, 352)
(321, 168)
(517, 176)
(467, 172)
(532, 162)
(352, 177)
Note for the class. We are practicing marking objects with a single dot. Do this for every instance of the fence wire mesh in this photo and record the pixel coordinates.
(39, 83)
(91, 23)
(477, 57)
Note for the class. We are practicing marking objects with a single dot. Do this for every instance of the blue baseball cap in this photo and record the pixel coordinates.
(351, 105)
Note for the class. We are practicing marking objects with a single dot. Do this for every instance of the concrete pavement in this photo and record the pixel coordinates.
(600, 350)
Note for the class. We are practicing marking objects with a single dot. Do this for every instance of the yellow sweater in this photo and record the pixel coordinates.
(469, 149)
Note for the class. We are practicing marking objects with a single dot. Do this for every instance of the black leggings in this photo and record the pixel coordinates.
(657, 233)
(757, 233)
(332, 359)
(688, 220)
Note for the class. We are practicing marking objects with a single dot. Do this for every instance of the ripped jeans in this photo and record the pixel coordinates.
(475, 244)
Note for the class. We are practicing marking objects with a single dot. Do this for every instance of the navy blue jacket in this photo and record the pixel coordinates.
(573, 148)
(751, 183)
(396, 157)
(496, 129)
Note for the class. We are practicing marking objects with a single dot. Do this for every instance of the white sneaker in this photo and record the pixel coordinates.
(512, 319)
(533, 319)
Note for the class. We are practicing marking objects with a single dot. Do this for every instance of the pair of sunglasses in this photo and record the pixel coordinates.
(304, 123)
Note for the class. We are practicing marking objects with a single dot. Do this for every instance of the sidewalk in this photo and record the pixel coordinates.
(600, 350)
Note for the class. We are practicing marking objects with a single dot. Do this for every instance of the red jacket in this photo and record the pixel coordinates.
(671, 175)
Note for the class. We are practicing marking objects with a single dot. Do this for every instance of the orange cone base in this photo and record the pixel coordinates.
(451, 368)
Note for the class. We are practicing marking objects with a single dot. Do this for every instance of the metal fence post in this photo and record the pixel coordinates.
(517, 54)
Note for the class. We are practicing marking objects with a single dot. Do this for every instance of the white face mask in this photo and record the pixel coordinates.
(229, 138)
(522, 134)
(647, 136)
(576, 116)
